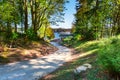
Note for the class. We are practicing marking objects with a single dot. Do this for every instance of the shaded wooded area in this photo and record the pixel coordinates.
(24, 26)
(29, 19)
(97, 19)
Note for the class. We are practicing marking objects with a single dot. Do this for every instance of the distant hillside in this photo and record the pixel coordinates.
(61, 30)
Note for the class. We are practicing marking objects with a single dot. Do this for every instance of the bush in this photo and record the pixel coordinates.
(67, 41)
(109, 57)
(14, 36)
(31, 34)
(77, 37)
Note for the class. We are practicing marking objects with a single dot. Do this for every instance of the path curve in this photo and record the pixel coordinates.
(35, 68)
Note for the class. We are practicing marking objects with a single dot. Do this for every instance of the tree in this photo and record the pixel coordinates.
(41, 9)
(97, 18)
(43, 12)
(6, 17)
(26, 14)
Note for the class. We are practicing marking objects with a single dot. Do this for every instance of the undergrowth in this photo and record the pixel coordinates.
(103, 55)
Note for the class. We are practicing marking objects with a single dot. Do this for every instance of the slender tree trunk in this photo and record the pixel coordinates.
(21, 14)
(102, 30)
(15, 27)
(9, 27)
(110, 27)
(32, 13)
(96, 27)
(26, 15)
(118, 24)
(15, 24)
(9, 30)
(45, 29)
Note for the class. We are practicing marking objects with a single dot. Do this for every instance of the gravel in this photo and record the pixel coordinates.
(35, 68)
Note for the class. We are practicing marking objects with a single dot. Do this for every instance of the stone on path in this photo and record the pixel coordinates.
(88, 65)
(82, 68)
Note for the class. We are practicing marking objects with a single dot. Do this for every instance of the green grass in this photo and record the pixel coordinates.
(88, 52)
(65, 72)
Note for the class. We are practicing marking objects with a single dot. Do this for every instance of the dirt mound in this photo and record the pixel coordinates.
(31, 51)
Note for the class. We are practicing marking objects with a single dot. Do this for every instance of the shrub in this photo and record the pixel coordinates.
(14, 36)
(67, 41)
(31, 34)
(77, 37)
(109, 57)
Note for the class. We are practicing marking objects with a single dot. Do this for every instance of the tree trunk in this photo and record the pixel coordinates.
(96, 15)
(32, 13)
(9, 27)
(15, 27)
(35, 18)
(9, 30)
(26, 15)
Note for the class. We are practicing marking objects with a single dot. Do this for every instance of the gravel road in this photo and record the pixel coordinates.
(35, 68)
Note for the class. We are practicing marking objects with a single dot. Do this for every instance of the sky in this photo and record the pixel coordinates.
(68, 17)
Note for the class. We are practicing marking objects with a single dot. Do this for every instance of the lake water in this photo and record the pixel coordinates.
(57, 35)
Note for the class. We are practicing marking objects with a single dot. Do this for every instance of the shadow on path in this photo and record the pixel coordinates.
(35, 68)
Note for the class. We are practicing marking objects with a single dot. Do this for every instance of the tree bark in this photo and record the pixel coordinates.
(96, 27)
(32, 13)
(26, 15)
(15, 27)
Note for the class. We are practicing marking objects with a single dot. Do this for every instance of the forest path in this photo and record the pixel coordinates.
(35, 68)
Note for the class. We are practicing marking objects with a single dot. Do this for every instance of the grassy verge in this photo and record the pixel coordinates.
(65, 72)
(95, 53)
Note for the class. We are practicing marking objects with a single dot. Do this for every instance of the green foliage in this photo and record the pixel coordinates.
(49, 33)
(96, 19)
(14, 36)
(109, 56)
(41, 32)
(43, 12)
(9, 12)
(77, 37)
(67, 41)
(46, 11)
(31, 34)
(45, 32)
(6, 10)
(108, 52)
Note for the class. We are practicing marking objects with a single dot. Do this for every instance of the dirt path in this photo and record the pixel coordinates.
(35, 68)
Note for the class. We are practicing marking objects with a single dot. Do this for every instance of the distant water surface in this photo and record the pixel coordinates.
(57, 35)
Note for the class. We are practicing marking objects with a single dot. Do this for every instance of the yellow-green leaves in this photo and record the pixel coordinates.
(6, 10)
(118, 1)
(49, 33)
(45, 31)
